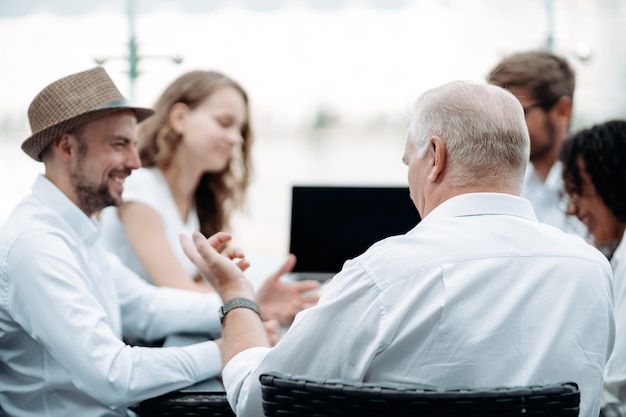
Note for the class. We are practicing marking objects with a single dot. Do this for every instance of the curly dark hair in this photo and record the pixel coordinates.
(602, 148)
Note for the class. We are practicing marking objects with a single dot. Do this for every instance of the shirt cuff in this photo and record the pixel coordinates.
(206, 358)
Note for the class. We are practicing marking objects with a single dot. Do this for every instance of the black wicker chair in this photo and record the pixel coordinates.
(287, 395)
(186, 405)
(204, 399)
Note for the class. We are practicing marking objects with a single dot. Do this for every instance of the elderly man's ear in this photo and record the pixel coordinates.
(436, 153)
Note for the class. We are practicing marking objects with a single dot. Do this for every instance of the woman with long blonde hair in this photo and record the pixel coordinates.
(196, 168)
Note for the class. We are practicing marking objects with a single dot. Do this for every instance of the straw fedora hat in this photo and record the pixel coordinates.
(71, 102)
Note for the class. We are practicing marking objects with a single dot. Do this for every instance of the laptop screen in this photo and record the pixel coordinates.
(330, 224)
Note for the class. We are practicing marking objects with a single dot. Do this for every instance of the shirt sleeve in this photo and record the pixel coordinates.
(73, 312)
(345, 350)
(237, 371)
(152, 312)
(143, 186)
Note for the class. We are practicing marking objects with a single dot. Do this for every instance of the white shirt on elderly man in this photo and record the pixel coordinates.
(478, 294)
(65, 304)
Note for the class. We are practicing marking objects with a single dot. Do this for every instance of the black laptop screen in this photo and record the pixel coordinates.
(330, 224)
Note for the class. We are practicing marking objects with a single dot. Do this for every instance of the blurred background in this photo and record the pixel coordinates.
(332, 82)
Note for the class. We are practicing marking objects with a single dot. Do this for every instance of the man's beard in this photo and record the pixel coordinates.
(92, 197)
(540, 153)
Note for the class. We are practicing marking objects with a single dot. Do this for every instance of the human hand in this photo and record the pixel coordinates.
(272, 327)
(223, 270)
(282, 300)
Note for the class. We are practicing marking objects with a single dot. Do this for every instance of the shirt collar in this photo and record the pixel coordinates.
(51, 196)
(554, 180)
(618, 254)
(479, 204)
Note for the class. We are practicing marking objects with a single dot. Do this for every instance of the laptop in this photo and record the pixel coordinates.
(333, 223)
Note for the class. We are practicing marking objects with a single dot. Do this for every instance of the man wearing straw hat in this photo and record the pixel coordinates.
(66, 304)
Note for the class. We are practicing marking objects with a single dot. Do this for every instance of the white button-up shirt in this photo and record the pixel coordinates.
(65, 304)
(479, 294)
(549, 200)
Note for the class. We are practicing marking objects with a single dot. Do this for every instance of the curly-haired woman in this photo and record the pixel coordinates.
(594, 174)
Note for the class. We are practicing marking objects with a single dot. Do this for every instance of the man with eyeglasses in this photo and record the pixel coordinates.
(544, 84)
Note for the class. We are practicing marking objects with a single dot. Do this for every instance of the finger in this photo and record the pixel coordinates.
(216, 240)
(206, 247)
(197, 237)
(189, 248)
(184, 240)
(310, 299)
(286, 267)
(243, 264)
(271, 325)
(309, 285)
(233, 253)
(273, 338)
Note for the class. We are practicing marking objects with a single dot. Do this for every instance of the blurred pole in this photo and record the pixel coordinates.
(133, 58)
(550, 23)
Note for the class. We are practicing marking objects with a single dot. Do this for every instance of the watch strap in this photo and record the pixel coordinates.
(239, 302)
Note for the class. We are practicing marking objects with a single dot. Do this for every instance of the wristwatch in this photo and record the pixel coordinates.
(238, 302)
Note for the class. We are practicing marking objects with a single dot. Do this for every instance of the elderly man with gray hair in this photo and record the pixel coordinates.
(478, 294)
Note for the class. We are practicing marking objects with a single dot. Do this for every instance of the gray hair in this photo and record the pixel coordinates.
(483, 128)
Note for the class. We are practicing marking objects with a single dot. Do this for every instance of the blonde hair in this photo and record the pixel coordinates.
(218, 194)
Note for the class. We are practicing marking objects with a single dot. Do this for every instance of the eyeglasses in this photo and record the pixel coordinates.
(545, 105)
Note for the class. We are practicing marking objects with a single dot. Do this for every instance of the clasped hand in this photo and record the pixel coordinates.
(224, 268)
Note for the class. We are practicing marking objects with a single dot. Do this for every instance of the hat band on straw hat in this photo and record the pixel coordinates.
(114, 103)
